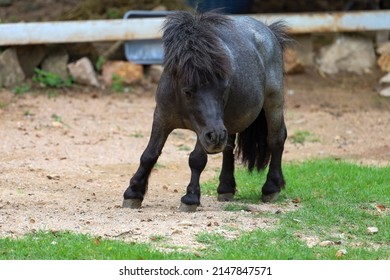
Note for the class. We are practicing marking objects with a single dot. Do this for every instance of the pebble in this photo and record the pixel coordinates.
(326, 243)
(372, 230)
(185, 223)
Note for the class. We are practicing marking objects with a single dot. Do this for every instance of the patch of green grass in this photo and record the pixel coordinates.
(302, 136)
(338, 201)
(68, 246)
(234, 207)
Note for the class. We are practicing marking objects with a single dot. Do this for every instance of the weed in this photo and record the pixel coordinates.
(184, 148)
(302, 136)
(99, 63)
(118, 84)
(137, 135)
(21, 89)
(3, 105)
(27, 113)
(56, 118)
(49, 79)
(113, 13)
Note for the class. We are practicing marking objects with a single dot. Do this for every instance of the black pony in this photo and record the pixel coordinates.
(222, 77)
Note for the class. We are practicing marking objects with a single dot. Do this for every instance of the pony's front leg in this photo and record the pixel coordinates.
(197, 162)
(134, 194)
(227, 183)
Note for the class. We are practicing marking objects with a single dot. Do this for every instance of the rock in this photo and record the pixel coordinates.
(347, 54)
(385, 79)
(384, 48)
(83, 72)
(384, 62)
(372, 230)
(128, 71)
(292, 64)
(385, 92)
(56, 61)
(10, 71)
(30, 57)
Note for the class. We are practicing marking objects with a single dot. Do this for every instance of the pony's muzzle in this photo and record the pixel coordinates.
(214, 141)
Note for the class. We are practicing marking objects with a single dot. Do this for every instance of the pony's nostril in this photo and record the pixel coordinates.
(210, 136)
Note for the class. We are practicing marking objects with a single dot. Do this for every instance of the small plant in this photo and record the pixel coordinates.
(56, 118)
(113, 13)
(302, 136)
(21, 89)
(49, 79)
(27, 113)
(3, 105)
(184, 148)
(137, 135)
(99, 63)
(118, 84)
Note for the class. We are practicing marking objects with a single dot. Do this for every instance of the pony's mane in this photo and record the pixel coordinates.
(192, 52)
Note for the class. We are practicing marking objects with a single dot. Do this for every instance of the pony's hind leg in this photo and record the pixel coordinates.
(134, 194)
(277, 135)
(197, 162)
(227, 183)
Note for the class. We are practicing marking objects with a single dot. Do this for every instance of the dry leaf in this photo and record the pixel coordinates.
(297, 200)
(97, 241)
(341, 253)
(380, 207)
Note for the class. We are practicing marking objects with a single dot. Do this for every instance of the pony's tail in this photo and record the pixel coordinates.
(279, 29)
(252, 145)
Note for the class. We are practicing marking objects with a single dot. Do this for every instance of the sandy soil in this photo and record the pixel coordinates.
(65, 161)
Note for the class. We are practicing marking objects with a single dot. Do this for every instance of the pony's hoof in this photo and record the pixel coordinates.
(132, 203)
(225, 197)
(268, 198)
(187, 208)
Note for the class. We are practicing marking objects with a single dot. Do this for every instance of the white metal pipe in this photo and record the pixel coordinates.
(150, 28)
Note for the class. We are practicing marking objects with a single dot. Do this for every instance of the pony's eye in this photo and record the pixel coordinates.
(187, 93)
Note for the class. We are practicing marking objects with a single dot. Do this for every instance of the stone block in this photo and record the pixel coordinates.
(347, 54)
(128, 71)
(56, 61)
(83, 72)
(10, 71)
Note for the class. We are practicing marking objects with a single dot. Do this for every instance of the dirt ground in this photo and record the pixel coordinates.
(65, 161)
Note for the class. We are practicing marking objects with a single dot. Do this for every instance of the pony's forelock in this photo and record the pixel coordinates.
(193, 54)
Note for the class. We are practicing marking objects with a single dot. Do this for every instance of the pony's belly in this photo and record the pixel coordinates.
(238, 123)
